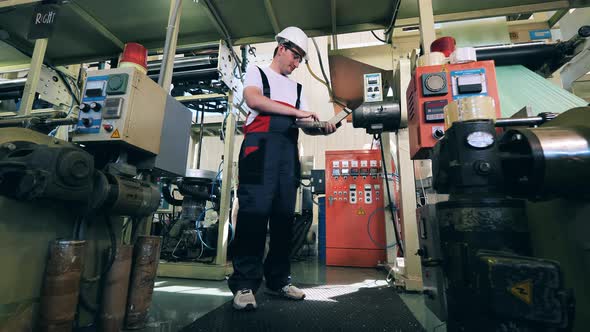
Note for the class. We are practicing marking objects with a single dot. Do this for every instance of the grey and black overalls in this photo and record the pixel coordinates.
(268, 179)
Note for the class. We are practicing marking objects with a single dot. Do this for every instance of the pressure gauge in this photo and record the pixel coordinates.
(480, 139)
(435, 83)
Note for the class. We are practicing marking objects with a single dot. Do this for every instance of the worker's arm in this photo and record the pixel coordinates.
(257, 101)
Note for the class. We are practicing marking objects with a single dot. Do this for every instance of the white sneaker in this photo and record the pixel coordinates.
(290, 292)
(245, 300)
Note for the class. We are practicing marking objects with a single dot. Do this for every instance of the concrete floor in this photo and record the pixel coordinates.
(179, 302)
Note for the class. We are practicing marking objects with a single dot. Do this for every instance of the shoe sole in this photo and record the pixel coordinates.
(248, 307)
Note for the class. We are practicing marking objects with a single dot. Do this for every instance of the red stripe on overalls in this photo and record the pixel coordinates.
(261, 123)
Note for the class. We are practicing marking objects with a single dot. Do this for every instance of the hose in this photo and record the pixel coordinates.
(391, 206)
(380, 245)
(113, 253)
(317, 49)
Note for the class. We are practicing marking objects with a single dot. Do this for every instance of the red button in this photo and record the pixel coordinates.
(108, 127)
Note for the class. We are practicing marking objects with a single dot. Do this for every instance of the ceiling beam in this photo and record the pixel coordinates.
(96, 24)
(313, 33)
(540, 7)
(216, 19)
(12, 3)
(556, 17)
(271, 15)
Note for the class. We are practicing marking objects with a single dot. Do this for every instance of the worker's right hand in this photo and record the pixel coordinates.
(304, 115)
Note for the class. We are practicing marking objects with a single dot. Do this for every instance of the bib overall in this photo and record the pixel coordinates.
(269, 174)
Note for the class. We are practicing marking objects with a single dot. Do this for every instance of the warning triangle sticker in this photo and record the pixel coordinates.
(360, 212)
(116, 134)
(523, 290)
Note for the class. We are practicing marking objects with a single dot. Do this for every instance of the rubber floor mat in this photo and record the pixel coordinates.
(325, 308)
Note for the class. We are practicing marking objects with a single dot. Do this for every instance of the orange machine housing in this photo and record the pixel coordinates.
(433, 87)
(355, 218)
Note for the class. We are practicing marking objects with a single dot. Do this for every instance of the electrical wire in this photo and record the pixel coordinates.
(393, 18)
(112, 256)
(67, 84)
(381, 40)
(316, 76)
(317, 49)
(380, 245)
(197, 222)
(391, 205)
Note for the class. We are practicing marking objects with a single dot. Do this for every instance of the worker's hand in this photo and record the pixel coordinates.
(329, 128)
(306, 115)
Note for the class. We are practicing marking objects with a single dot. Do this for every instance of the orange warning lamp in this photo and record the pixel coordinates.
(134, 55)
(444, 45)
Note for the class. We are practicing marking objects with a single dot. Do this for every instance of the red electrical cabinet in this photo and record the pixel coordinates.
(355, 226)
(432, 88)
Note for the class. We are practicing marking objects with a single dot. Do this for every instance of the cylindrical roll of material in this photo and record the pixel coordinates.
(547, 161)
(463, 55)
(115, 288)
(470, 108)
(146, 255)
(432, 59)
(61, 285)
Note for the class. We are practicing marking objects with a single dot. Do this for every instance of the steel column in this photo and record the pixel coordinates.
(427, 33)
(26, 105)
(226, 184)
(165, 78)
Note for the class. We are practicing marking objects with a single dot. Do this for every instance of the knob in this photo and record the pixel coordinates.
(108, 127)
(84, 107)
(87, 122)
(438, 133)
(95, 106)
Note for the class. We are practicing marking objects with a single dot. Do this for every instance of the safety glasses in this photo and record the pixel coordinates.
(296, 55)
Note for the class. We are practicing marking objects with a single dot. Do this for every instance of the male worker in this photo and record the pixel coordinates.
(269, 173)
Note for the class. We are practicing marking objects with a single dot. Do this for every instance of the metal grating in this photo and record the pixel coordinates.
(326, 308)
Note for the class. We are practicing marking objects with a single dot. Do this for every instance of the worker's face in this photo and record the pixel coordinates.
(290, 59)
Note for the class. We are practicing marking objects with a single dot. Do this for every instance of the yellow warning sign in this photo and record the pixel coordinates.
(116, 134)
(523, 290)
(360, 212)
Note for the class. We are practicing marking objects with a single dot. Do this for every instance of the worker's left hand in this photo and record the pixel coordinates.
(329, 129)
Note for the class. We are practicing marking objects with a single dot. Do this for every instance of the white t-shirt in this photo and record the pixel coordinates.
(282, 88)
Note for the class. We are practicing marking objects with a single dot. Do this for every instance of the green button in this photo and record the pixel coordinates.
(117, 84)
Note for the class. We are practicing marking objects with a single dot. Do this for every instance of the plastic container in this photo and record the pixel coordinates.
(470, 108)
(463, 55)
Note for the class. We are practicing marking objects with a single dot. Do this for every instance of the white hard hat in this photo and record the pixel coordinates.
(295, 36)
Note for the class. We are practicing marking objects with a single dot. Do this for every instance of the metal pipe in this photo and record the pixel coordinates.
(189, 73)
(165, 78)
(116, 285)
(201, 139)
(189, 48)
(25, 123)
(199, 60)
(61, 285)
(520, 122)
(532, 56)
(146, 255)
(60, 122)
(7, 84)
